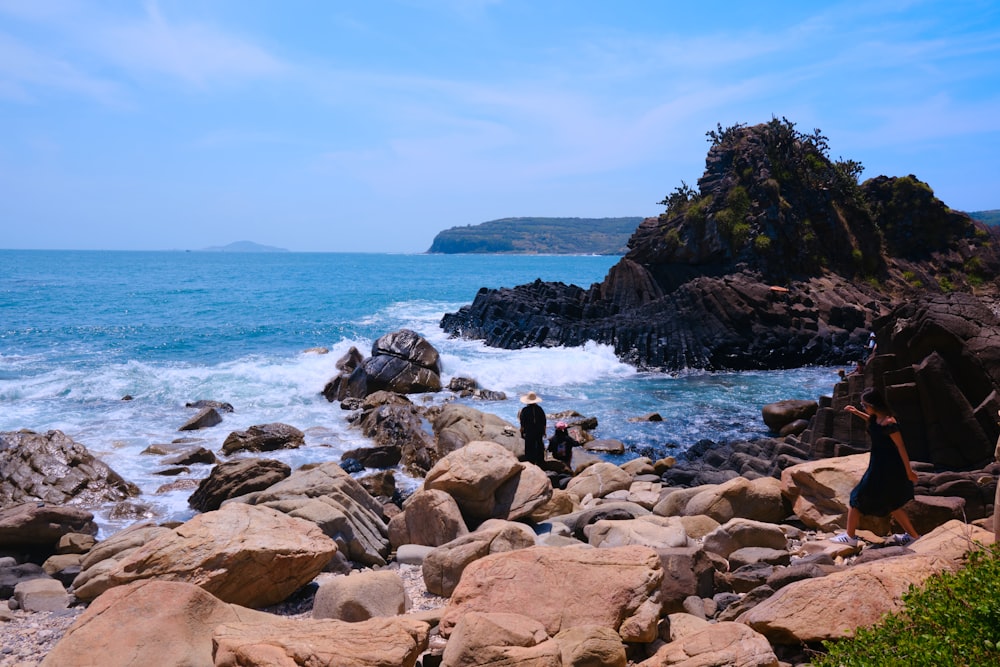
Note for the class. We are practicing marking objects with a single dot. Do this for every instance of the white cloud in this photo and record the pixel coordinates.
(194, 53)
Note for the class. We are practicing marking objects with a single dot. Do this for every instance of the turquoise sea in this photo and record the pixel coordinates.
(79, 330)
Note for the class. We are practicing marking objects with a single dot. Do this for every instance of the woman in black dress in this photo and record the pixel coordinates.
(887, 485)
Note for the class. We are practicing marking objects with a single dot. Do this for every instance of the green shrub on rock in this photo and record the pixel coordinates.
(953, 619)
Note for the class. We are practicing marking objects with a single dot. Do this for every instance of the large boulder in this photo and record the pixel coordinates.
(338, 504)
(236, 478)
(819, 492)
(616, 588)
(402, 362)
(724, 643)
(39, 526)
(443, 567)
(758, 499)
(378, 642)
(53, 468)
(473, 475)
(599, 480)
(782, 413)
(246, 555)
(430, 517)
(500, 638)
(148, 622)
(832, 607)
(360, 596)
(457, 425)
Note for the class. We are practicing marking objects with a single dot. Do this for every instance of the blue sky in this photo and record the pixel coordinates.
(342, 126)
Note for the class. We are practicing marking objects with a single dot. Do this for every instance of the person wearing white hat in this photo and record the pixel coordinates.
(532, 419)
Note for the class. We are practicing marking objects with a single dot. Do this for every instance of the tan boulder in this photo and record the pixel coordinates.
(457, 425)
(442, 568)
(673, 502)
(819, 492)
(481, 638)
(105, 555)
(698, 526)
(639, 466)
(599, 480)
(472, 475)
(759, 499)
(724, 643)
(360, 596)
(644, 493)
(652, 531)
(518, 497)
(338, 504)
(591, 646)
(430, 517)
(252, 556)
(41, 594)
(147, 623)
(560, 503)
(740, 533)
(832, 607)
(378, 642)
(617, 588)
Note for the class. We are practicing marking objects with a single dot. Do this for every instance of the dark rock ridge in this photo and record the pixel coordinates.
(779, 259)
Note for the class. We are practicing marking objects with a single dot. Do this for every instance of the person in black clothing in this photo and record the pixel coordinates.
(532, 419)
(887, 485)
(561, 444)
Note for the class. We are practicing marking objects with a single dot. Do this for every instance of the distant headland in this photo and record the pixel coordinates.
(549, 236)
(243, 246)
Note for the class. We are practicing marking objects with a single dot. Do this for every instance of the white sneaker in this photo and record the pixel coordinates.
(901, 539)
(844, 538)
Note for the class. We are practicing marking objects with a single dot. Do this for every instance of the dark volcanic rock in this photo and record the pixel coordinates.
(236, 478)
(54, 468)
(264, 438)
(402, 362)
(778, 260)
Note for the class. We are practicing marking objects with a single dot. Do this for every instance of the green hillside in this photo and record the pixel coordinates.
(557, 236)
(991, 217)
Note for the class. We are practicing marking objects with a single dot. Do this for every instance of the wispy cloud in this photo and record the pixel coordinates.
(194, 53)
(25, 72)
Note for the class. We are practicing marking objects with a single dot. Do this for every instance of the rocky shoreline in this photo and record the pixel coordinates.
(722, 557)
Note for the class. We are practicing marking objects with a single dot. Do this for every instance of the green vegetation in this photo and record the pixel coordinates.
(991, 217)
(553, 236)
(953, 619)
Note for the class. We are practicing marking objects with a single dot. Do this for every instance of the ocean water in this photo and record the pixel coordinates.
(81, 330)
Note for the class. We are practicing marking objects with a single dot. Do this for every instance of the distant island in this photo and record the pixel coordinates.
(243, 246)
(554, 236)
(991, 217)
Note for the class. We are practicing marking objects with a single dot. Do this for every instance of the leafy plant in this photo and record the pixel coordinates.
(953, 619)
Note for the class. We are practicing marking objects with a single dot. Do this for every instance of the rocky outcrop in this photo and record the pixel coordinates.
(402, 362)
(39, 527)
(617, 588)
(264, 438)
(779, 259)
(53, 468)
(378, 642)
(333, 500)
(251, 556)
(177, 620)
(236, 478)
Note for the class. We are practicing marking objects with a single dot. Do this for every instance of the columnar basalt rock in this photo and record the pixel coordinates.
(778, 259)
